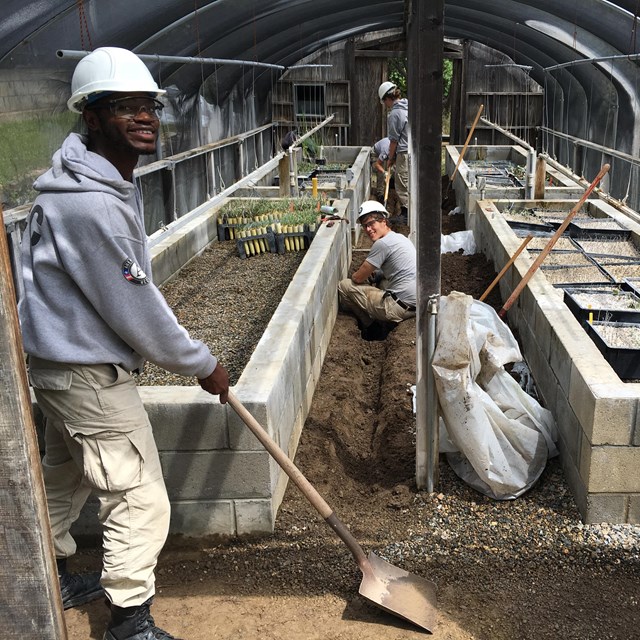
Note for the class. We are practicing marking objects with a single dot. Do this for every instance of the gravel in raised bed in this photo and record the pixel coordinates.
(623, 248)
(622, 300)
(562, 244)
(620, 271)
(557, 258)
(227, 302)
(570, 275)
(620, 336)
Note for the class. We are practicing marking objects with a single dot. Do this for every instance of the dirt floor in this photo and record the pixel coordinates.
(358, 450)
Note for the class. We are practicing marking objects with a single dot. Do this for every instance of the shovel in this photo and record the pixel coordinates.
(389, 587)
(387, 181)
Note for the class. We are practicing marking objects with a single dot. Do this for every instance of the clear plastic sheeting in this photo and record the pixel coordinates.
(497, 438)
(457, 240)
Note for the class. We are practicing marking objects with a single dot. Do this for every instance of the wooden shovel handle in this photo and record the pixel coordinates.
(554, 238)
(281, 458)
(309, 491)
(387, 181)
(466, 144)
(512, 259)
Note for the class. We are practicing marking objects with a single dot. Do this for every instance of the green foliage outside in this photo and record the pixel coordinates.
(26, 147)
(398, 75)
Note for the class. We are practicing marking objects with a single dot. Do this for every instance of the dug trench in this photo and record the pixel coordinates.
(523, 569)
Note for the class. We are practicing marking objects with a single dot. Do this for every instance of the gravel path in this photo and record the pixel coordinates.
(226, 302)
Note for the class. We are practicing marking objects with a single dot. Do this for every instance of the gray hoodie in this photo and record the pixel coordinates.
(88, 296)
(398, 124)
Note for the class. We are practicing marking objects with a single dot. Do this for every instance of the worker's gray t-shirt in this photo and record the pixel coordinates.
(395, 255)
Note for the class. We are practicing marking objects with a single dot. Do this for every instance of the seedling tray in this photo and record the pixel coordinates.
(601, 312)
(625, 361)
(567, 276)
(590, 230)
(294, 241)
(256, 245)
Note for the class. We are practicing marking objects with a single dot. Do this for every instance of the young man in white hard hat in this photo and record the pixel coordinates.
(382, 292)
(90, 316)
(398, 134)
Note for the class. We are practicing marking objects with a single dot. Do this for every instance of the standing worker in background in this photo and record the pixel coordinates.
(398, 133)
(382, 292)
(90, 316)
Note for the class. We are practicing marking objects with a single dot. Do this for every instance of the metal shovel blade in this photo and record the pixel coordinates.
(399, 592)
(391, 588)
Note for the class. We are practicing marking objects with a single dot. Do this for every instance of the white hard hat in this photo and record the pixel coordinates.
(371, 206)
(110, 69)
(384, 88)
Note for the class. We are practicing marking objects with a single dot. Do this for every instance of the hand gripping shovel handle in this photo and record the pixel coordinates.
(308, 490)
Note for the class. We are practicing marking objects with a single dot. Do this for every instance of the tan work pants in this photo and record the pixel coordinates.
(98, 439)
(402, 178)
(369, 303)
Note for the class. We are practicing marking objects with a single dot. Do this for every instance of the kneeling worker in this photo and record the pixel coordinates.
(382, 292)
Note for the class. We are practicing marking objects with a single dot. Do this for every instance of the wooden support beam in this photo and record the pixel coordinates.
(31, 604)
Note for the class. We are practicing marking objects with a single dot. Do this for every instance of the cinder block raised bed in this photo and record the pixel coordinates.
(596, 412)
(219, 478)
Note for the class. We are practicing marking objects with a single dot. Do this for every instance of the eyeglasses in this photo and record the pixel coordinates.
(130, 108)
(366, 225)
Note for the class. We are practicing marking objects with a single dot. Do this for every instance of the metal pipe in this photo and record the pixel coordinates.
(156, 57)
(609, 199)
(427, 451)
(593, 145)
(573, 63)
(530, 174)
(515, 138)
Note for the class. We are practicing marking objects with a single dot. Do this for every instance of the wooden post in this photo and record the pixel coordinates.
(541, 173)
(284, 177)
(31, 607)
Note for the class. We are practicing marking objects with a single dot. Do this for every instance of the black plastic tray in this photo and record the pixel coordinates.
(586, 233)
(530, 226)
(601, 313)
(624, 361)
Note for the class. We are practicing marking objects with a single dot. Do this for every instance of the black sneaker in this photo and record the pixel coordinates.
(135, 623)
(78, 588)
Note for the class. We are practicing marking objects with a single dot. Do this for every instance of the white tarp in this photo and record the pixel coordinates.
(497, 438)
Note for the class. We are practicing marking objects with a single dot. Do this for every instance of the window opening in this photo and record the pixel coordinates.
(309, 101)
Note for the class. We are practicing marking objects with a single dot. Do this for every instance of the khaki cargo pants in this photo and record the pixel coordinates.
(369, 303)
(98, 439)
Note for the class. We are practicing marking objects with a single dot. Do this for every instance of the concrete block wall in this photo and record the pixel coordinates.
(220, 479)
(354, 185)
(466, 189)
(597, 414)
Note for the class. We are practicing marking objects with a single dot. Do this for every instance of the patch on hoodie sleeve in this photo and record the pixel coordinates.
(133, 273)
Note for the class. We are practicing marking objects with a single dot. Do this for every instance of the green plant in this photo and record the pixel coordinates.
(26, 147)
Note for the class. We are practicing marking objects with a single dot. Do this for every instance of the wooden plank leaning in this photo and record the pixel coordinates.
(29, 579)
